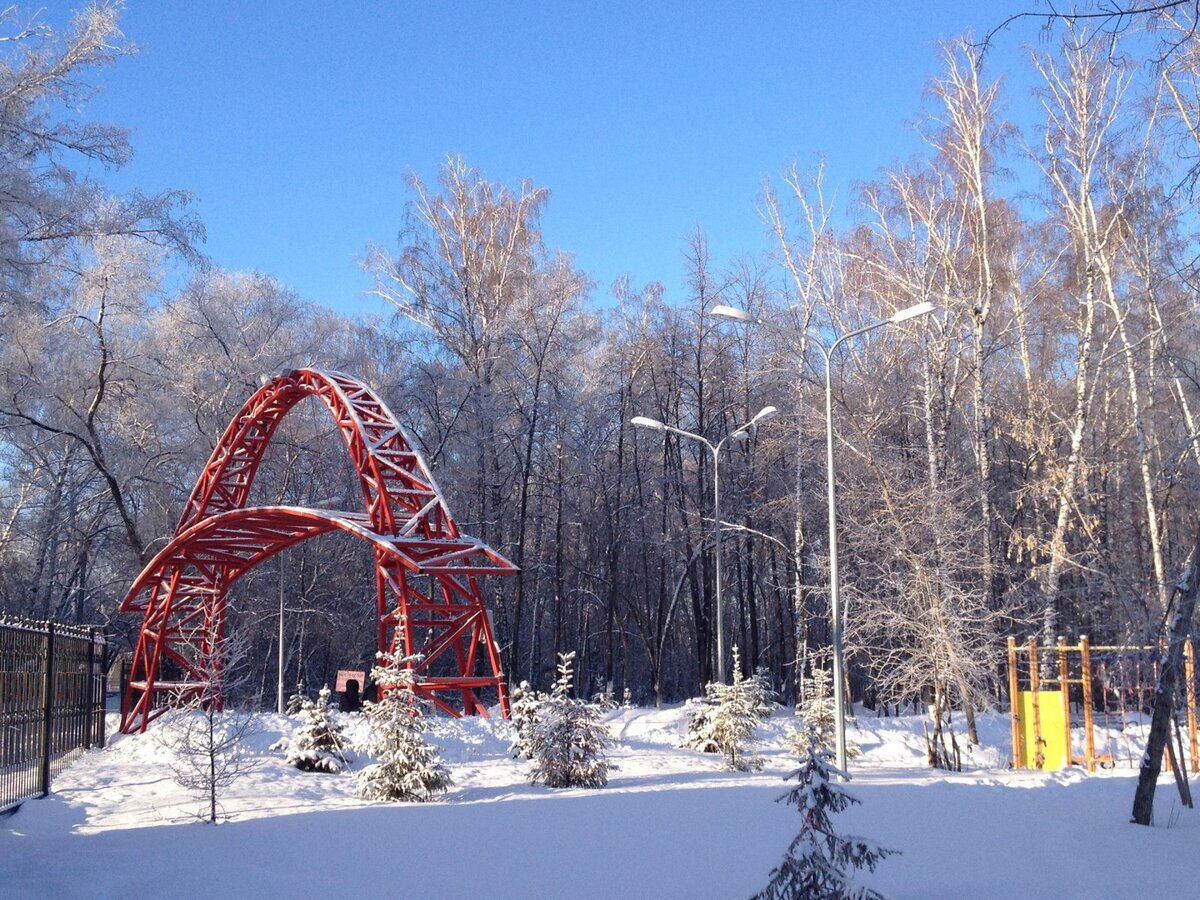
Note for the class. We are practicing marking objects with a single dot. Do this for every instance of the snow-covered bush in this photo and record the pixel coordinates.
(523, 714)
(317, 745)
(568, 740)
(819, 862)
(818, 716)
(408, 767)
(727, 717)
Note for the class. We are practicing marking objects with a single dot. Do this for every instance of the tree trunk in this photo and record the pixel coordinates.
(1181, 624)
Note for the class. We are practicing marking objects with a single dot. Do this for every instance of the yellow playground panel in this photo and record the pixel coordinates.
(1041, 718)
(1045, 730)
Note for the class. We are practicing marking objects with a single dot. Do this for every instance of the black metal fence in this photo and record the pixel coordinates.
(52, 699)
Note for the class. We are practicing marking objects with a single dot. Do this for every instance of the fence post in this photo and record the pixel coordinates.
(1014, 699)
(89, 697)
(1089, 730)
(1064, 685)
(1035, 685)
(47, 708)
(103, 692)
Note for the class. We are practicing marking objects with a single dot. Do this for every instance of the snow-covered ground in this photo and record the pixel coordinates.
(671, 823)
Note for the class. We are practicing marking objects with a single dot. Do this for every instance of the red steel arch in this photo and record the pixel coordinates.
(182, 592)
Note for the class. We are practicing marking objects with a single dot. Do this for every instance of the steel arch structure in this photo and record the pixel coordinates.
(182, 593)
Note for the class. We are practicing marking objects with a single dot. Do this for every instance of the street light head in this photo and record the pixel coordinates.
(912, 312)
(730, 312)
(647, 422)
(767, 412)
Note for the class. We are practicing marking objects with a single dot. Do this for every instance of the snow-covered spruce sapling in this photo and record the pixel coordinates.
(296, 702)
(817, 713)
(407, 766)
(317, 745)
(699, 726)
(568, 739)
(523, 715)
(728, 717)
(820, 863)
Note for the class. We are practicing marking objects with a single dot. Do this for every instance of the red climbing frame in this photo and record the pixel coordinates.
(182, 592)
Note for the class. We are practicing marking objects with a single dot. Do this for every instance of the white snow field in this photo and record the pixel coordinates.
(671, 823)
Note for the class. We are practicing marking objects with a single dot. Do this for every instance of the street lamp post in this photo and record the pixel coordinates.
(835, 606)
(279, 705)
(763, 414)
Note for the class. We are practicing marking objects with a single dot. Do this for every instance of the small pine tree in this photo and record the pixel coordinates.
(819, 862)
(408, 766)
(728, 717)
(818, 714)
(317, 745)
(523, 715)
(699, 728)
(296, 702)
(568, 739)
(765, 700)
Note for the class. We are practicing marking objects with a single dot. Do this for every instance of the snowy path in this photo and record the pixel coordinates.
(670, 824)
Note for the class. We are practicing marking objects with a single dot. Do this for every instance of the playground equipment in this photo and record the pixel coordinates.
(182, 593)
(1124, 675)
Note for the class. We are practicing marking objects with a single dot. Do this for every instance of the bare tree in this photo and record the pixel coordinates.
(207, 742)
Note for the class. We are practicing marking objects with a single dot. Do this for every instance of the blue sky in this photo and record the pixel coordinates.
(294, 123)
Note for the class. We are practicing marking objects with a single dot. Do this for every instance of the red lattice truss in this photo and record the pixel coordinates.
(182, 593)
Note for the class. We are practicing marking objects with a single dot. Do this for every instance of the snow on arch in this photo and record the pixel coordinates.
(182, 591)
